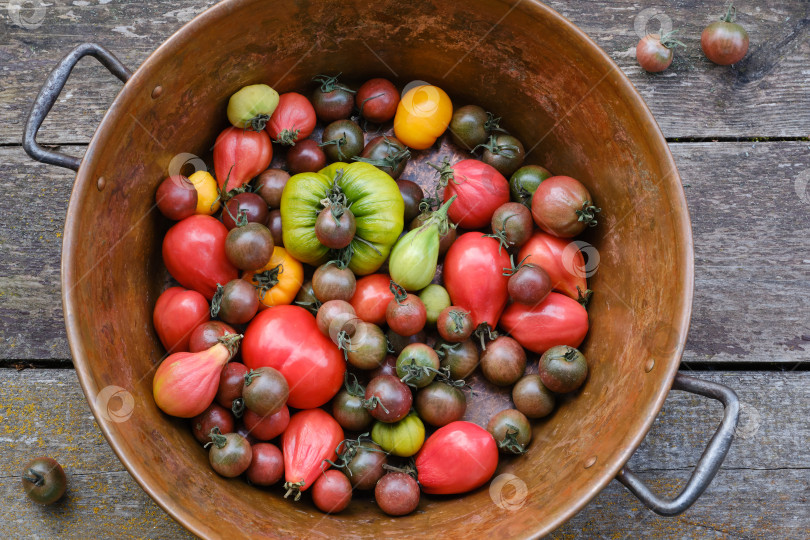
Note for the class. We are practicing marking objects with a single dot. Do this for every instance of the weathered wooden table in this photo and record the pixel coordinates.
(739, 136)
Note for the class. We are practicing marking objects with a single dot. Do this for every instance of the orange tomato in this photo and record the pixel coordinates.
(422, 116)
(289, 276)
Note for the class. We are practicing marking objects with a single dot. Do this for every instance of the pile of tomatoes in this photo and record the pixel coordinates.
(311, 341)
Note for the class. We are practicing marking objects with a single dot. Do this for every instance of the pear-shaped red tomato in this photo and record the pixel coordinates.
(194, 254)
(310, 438)
(287, 338)
(457, 458)
(473, 276)
(561, 259)
(480, 189)
(178, 312)
(557, 320)
(239, 155)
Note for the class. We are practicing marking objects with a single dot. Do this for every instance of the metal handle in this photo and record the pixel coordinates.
(50, 93)
(708, 464)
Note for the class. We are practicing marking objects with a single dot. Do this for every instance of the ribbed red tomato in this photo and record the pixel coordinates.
(311, 437)
(287, 338)
(293, 120)
(194, 254)
(557, 320)
(371, 297)
(178, 312)
(457, 458)
(473, 275)
(481, 190)
(562, 260)
(239, 155)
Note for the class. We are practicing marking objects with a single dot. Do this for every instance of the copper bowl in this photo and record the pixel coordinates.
(561, 94)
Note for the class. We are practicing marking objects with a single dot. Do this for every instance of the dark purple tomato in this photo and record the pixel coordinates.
(305, 156)
(511, 430)
(532, 398)
(445, 240)
(455, 324)
(332, 100)
(230, 454)
(332, 492)
(306, 298)
(265, 428)
(270, 184)
(523, 183)
(653, 54)
(504, 361)
(563, 207)
(439, 403)
(512, 224)
(266, 465)
(214, 416)
(397, 494)
(377, 100)
(504, 152)
(366, 466)
(725, 42)
(250, 247)
(386, 153)
(460, 358)
(529, 285)
(367, 347)
(231, 381)
(207, 334)
(468, 127)
(176, 198)
(399, 342)
(417, 365)
(388, 399)
(406, 317)
(388, 367)
(335, 227)
(563, 369)
(252, 205)
(330, 282)
(412, 194)
(274, 224)
(236, 302)
(44, 480)
(349, 411)
(265, 391)
(342, 140)
(327, 312)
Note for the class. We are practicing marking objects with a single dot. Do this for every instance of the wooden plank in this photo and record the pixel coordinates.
(761, 490)
(765, 95)
(751, 276)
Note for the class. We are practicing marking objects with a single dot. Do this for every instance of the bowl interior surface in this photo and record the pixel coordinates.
(557, 92)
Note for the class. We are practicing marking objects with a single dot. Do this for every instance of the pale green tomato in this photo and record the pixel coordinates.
(257, 101)
(435, 298)
(403, 438)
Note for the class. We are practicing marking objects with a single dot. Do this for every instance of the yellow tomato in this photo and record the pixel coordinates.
(207, 194)
(422, 116)
(289, 276)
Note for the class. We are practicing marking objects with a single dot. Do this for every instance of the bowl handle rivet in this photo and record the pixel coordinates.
(649, 365)
(101, 183)
(157, 92)
(591, 462)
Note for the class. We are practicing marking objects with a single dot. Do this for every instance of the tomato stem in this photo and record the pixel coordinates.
(584, 297)
(409, 469)
(264, 281)
(238, 407)
(217, 438)
(493, 123)
(731, 13)
(353, 387)
(216, 301)
(288, 137)
(372, 402)
(514, 270)
(38, 478)
(508, 150)
(669, 42)
(510, 442)
(337, 142)
(484, 332)
(231, 342)
(459, 317)
(328, 84)
(394, 157)
(257, 123)
(587, 214)
(294, 488)
(400, 294)
(363, 104)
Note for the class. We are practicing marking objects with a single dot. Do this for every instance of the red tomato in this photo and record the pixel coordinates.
(310, 438)
(457, 458)
(287, 338)
(267, 427)
(194, 254)
(239, 155)
(481, 190)
(473, 276)
(371, 297)
(564, 265)
(377, 100)
(293, 119)
(557, 320)
(178, 312)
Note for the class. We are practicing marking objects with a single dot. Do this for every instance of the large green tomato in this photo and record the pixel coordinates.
(376, 203)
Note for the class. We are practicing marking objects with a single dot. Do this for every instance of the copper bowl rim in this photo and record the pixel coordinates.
(141, 78)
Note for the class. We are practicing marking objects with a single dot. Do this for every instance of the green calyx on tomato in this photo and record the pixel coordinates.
(375, 201)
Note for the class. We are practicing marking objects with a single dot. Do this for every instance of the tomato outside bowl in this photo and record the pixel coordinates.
(559, 93)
